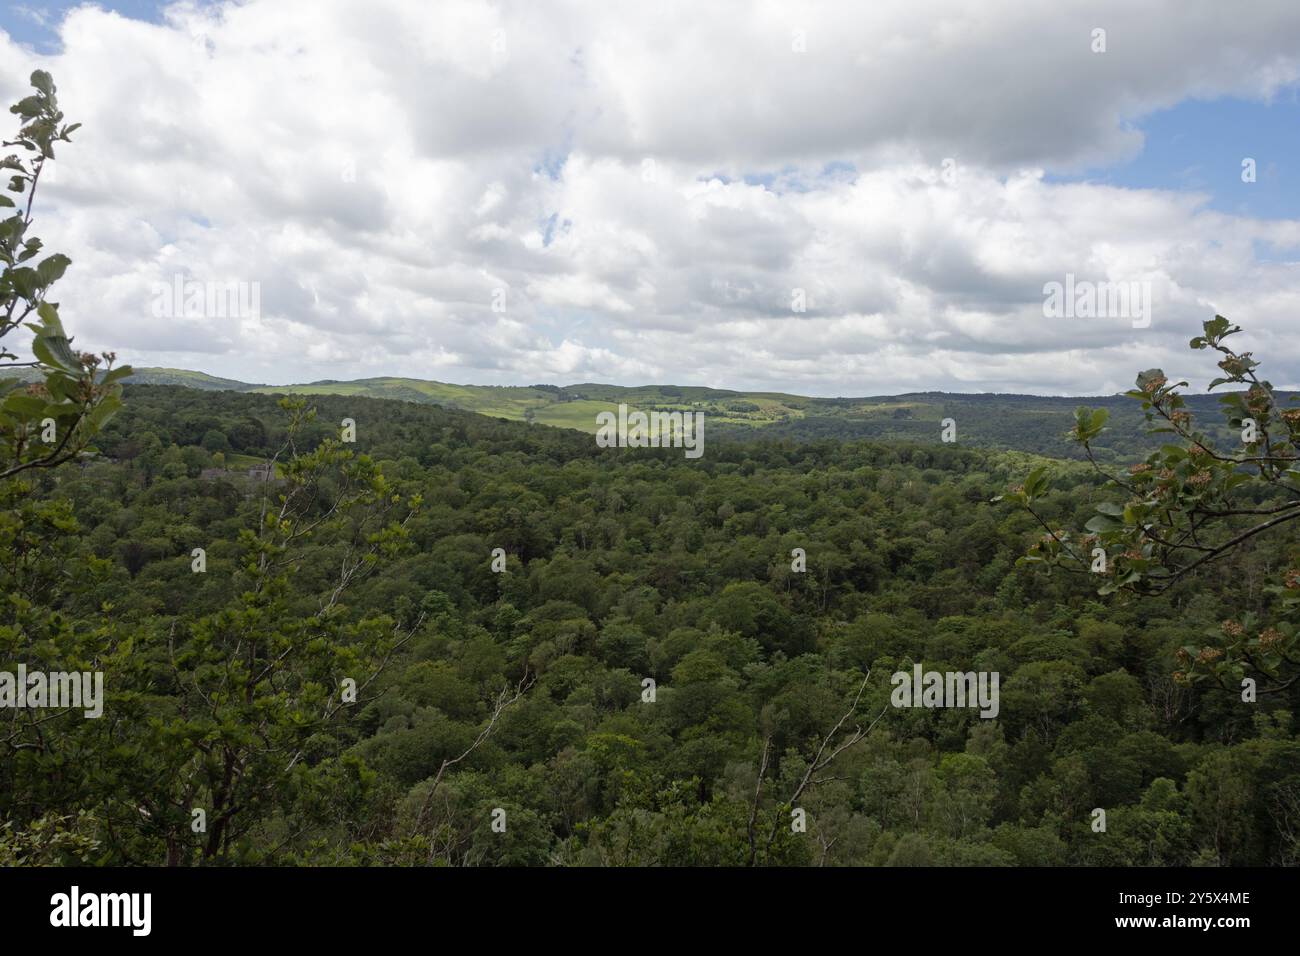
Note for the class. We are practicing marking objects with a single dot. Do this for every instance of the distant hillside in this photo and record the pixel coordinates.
(180, 376)
(1028, 423)
(147, 375)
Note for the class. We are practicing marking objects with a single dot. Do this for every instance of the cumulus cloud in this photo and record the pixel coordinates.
(829, 198)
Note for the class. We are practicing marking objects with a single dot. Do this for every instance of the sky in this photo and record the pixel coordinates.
(826, 198)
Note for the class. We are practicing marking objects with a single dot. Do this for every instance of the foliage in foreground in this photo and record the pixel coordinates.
(1190, 505)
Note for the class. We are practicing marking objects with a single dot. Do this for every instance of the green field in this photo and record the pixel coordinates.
(570, 406)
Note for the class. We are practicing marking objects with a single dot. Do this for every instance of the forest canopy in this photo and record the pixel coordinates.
(621, 565)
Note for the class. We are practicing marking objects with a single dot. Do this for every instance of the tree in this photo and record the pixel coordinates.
(44, 423)
(262, 682)
(215, 441)
(224, 723)
(835, 742)
(1191, 504)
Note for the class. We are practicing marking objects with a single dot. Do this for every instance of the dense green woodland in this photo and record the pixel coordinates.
(621, 565)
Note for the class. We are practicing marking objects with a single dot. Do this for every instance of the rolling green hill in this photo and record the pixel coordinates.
(1028, 423)
(180, 376)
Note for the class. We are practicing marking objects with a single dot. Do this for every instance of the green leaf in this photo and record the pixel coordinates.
(26, 281)
(1102, 523)
(1036, 482)
(51, 270)
(56, 351)
(62, 387)
(1217, 327)
(102, 412)
(43, 82)
(1147, 376)
(116, 375)
(28, 107)
(24, 406)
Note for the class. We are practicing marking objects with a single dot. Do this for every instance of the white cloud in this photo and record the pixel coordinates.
(650, 184)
